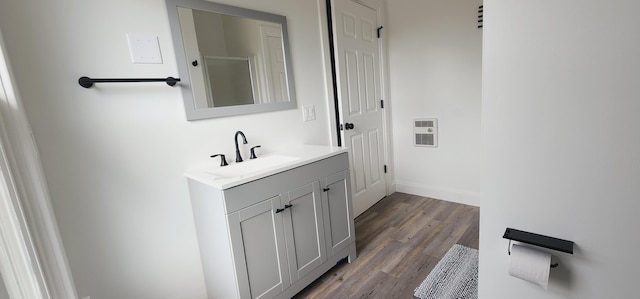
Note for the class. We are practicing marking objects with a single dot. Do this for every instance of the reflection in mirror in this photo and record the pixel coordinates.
(235, 60)
(230, 81)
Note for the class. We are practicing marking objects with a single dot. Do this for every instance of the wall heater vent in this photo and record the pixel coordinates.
(425, 131)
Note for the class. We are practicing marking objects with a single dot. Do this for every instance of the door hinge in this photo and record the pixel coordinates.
(385, 169)
(382, 104)
(379, 28)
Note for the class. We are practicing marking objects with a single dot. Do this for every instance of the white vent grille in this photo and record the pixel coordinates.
(425, 131)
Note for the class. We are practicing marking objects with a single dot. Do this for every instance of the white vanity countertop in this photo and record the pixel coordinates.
(283, 159)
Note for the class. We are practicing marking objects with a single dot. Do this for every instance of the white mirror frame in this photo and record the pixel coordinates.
(185, 85)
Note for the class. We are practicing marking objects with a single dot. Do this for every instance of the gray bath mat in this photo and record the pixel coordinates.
(454, 277)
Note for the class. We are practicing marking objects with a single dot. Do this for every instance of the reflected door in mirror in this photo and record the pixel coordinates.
(276, 81)
(235, 60)
(232, 60)
(230, 81)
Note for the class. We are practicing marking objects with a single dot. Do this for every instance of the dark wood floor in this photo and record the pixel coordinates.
(399, 241)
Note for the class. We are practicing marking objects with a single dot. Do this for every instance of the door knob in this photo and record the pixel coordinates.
(348, 126)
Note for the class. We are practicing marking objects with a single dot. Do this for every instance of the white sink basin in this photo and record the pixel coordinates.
(282, 159)
(251, 166)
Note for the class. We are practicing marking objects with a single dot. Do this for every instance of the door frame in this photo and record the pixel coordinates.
(38, 266)
(334, 103)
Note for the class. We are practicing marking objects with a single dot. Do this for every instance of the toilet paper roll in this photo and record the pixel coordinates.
(530, 264)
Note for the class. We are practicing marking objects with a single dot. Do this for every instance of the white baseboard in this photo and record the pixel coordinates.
(457, 196)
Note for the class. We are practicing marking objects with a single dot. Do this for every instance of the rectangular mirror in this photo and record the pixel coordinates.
(231, 60)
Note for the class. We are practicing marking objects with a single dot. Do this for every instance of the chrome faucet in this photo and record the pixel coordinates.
(244, 140)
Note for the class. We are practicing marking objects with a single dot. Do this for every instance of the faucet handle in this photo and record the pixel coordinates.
(223, 160)
(253, 152)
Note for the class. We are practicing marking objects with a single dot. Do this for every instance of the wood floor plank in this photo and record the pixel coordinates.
(399, 241)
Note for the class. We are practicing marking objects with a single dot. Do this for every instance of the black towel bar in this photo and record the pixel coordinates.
(87, 82)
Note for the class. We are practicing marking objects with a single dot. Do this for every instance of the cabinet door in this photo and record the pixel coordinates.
(259, 250)
(304, 229)
(339, 228)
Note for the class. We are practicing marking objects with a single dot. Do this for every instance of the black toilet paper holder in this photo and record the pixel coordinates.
(538, 240)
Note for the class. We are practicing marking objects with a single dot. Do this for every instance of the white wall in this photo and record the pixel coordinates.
(3, 289)
(114, 155)
(561, 143)
(435, 72)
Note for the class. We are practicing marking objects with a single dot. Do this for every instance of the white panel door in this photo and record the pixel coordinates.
(358, 74)
(275, 75)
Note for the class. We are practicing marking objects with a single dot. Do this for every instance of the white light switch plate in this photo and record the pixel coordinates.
(308, 113)
(144, 48)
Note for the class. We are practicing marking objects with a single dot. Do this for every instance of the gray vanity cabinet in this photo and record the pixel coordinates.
(271, 237)
(339, 229)
(257, 241)
(304, 230)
